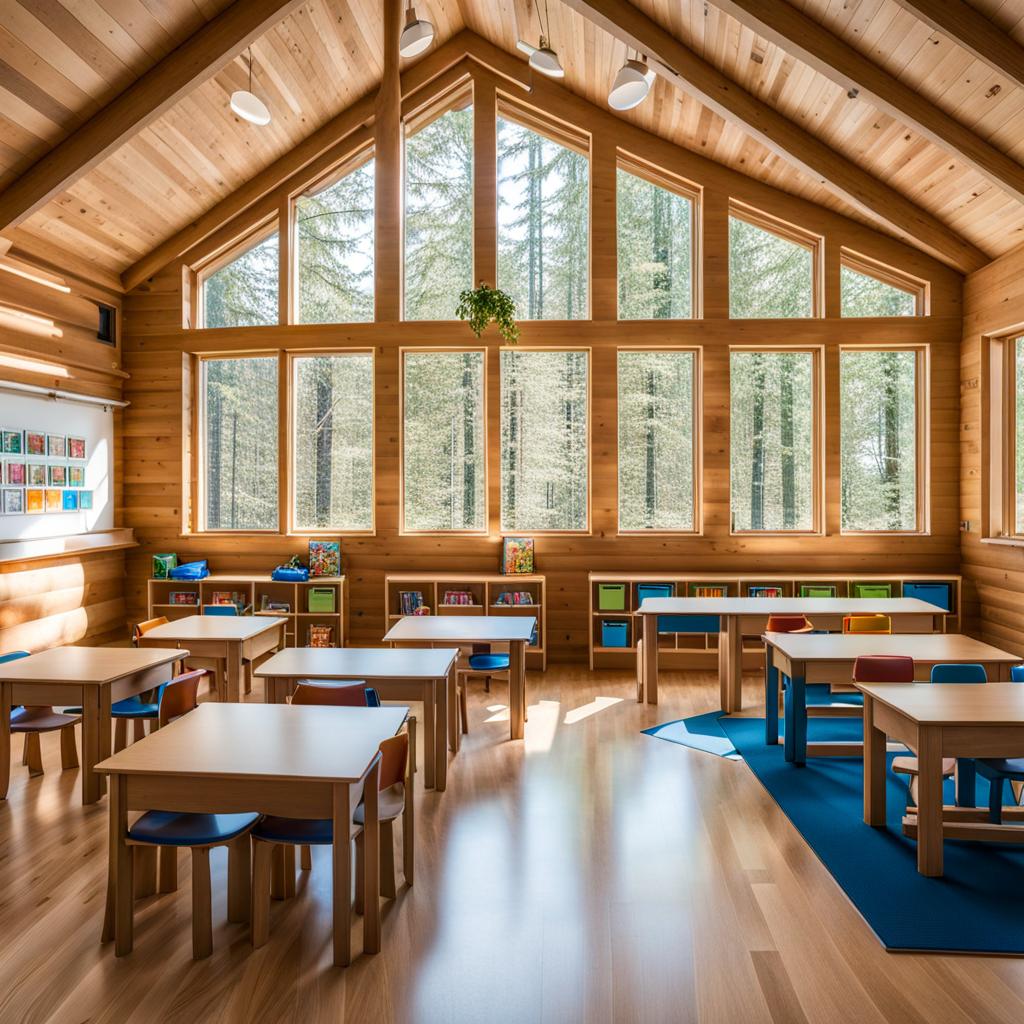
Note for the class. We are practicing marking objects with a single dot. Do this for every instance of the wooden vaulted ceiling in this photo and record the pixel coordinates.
(62, 61)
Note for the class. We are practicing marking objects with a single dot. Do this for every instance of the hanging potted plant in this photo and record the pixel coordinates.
(482, 305)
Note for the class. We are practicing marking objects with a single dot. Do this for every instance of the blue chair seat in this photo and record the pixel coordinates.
(299, 831)
(169, 828)
(489, 662)
(132, 707)
(1003, 767)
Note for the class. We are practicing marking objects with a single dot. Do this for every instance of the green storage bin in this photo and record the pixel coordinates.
(872, 590)
(611, 597)
(321, 599)
(817, 590)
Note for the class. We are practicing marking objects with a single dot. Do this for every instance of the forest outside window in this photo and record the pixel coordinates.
(543, 224)
(332, 443)
(239, 443)
(439, 212)
(773, 431)
(444, 454)
(544, 440)
(334, 231)
(1004, 439)
(881, 432)
(774, 269)
(870, 289)
(655, 249)
(242, 290)
(657, 440)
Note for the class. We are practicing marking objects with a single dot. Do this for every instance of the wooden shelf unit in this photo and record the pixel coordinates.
(700, 650)
(253, 587)
(485, 588)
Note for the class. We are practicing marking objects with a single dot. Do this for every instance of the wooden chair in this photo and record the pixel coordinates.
(33, 721)
(173, 699)
(395, 799)
(1000, 770)
(480, 663)
(349, 694)
(140, 629)
(772, 690)
(867, 625)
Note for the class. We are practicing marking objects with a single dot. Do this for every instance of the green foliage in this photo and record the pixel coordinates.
(769, 276)
(243, 293)
(863, 295)
(482, 305)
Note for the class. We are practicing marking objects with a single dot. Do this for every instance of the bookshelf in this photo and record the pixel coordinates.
(615, 598)
(487, 595)
(252, 589)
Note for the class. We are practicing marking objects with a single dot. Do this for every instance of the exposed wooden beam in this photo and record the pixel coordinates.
(809, 41)
(969, 28)
(387, 163)
(688, 72)
(197, 59)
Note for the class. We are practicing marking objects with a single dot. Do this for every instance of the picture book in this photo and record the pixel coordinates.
(517, 556)
(325, 558)
(410, 600)
(320, 636)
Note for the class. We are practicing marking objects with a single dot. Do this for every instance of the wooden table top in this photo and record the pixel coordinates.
(87, 666)
(952, 703)
(213, 627)
(463, 629)
(925, 647)
(788, 606)
(359, 663)
(267, 741)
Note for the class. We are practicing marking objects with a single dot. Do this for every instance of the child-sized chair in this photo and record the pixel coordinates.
(173, 699)
(867, 625)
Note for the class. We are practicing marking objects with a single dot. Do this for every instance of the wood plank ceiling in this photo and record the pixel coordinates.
(61, 60)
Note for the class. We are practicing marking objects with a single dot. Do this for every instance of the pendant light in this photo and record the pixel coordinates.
(543, 58)
(417, 35)
(247, 105)
(631, 85)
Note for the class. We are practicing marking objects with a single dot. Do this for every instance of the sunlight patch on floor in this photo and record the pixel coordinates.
(596, 705)
(541, 726)
(499, 713)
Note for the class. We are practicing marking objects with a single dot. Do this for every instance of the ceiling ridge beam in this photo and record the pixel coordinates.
(810, 42)
(196, 60)
(690, 73)
(970, 29)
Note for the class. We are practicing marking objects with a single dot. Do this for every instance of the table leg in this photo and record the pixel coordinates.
(448, 706)
(233, 674)
(730, 665)
(874, 767)
(96, 725)
(121, 867)
(438, 691)
(929, 801)
(651, 657)
(795, 739)
(433, 733)
(5, 739)
(771, 699)
(342, 874)
(966, 782)
(371, 861)
(517, 686)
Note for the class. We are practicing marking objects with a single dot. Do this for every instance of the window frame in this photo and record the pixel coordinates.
(403, 530)
(818, 473)
(697, 439)
(998, 439)
(809, 240)
(922, 431)
(589, 528)
(861, 264)
(291, 358)
(252, 238)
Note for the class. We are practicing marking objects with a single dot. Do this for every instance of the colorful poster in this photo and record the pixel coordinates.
(54, 501)
(76, 476)
(56, 447)
(70, 499)
(14, 503)
(85, 500)
(11, 442)
(35, 501)
(35, 474)
(14, 474)
(325, 558)
(76, 448)
(58, 476)
(35, 443)
(517, 556)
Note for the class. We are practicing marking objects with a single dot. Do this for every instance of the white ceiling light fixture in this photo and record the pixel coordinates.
(247, 105)
(631, 85)
(417, 35)
(542, 58)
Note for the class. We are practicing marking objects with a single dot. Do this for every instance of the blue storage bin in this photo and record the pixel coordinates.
(652, 590)
(614, 633)
(688, 624)
(933, 593)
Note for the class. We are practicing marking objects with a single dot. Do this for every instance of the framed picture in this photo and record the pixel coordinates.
(56, 446)
(14, 503)
(35, 474)
(85, 500)
(35, 501)
(76, 448)
(58, 476)
(76, 476)
(35, 443)
(54, 500)
(14, 474)
(70, 501)
(12, 442)
(325, 558)
(517, 556)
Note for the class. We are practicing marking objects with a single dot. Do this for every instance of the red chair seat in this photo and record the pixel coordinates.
(40, 720)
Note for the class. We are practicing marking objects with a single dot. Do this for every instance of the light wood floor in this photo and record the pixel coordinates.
(588, 874)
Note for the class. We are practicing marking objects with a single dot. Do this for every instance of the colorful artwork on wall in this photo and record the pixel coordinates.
(76, 476)
(12, 442)
(76, 448)
(325, 558)
(35, 443)
(85, 500)
(14, 474)
(517, 556)
(70, 501)
(58, 476)
(54, 500)
(56, 446)
(35, 474)
(14, 502)
(35, 501)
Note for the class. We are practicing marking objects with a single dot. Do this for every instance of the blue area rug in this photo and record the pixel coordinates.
(976, 907)
(701, 732)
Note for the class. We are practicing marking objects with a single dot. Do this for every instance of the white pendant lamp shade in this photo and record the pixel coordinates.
(417, 35)
(631, 86)
(247, 105)
(545, 60)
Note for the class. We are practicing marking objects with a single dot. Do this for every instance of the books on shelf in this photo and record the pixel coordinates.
(184, 597)
(514, 597)
(267, 604)
(229, 597)
(706, 591)
(764, 591)
(461, 597)
(410, 600)
(319, 635)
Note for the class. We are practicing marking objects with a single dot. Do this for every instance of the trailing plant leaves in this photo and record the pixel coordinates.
(483, 305)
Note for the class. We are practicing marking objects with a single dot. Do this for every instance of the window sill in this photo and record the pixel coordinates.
(1009, 542)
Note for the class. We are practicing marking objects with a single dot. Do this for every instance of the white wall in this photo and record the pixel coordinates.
(25, 412)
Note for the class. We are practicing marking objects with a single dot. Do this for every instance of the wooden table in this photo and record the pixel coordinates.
(398, 674)
(228, 640)
(445, 630)
(93, 677)
(746, 616)
(296, 762)
(951, 720)
(828, 658)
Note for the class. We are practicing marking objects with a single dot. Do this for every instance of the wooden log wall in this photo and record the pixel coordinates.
(158, 354)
